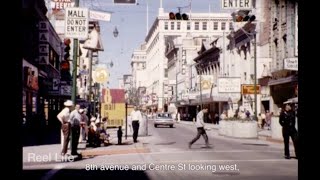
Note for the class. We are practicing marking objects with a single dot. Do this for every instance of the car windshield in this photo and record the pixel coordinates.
(164, 116)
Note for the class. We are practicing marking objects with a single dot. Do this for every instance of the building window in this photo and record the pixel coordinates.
(172, 25)
(196, 26)
(230, 26)
(215, 26)
(204, 25)
(188, 25)
(166, 72)
(223, 26)
(178, 25)
(245, 76)
(165, 25)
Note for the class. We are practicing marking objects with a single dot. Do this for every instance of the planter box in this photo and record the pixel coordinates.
(239, 129)
(222, 127)
(276, 128)
(229, 128)
(245, 129)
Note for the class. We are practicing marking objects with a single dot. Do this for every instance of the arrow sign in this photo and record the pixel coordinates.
(103, 16)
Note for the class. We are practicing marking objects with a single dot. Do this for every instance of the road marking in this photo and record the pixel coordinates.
(199, 161)
(52, 172)
(205, 151)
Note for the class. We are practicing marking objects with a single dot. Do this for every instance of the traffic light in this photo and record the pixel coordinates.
(67, 49)
(243, 16)
(172, 16)
(178, 16)
(124, 1)
(185, 16)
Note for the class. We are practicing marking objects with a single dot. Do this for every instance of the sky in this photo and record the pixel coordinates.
(131, 23)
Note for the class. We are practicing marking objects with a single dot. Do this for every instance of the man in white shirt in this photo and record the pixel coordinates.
(75, 119)
(64, 118)
(200, 127)
(136, 117)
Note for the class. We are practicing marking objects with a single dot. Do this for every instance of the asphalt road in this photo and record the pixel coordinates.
(168, 157)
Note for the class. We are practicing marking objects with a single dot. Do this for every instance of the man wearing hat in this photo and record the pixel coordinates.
(64, 118)
(75, 119)
(287, 121)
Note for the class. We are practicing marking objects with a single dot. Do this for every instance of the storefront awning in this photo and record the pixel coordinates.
(283, 80)
(291, 100)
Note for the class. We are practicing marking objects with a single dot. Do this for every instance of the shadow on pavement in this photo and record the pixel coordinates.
(80, 174)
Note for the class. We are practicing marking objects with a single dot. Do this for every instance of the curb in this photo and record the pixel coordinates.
(270, 139)
(114, 151)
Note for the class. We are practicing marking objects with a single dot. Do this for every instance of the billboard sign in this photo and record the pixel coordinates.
(229, 85)
(249, 89)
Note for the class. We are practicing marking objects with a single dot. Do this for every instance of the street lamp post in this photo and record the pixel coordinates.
(200, 84)
(249, 35)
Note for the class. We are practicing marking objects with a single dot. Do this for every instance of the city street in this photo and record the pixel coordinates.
(164, 154)
(96, 68)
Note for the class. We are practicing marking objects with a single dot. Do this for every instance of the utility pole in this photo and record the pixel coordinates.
(74, 63)
(255, 76)
(176, 79)
(200, 74)
(90, 78)
(147, 28)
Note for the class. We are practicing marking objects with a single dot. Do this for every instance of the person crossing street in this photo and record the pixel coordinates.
(200, 128)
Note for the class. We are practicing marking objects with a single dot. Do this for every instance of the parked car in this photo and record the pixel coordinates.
(164, 119)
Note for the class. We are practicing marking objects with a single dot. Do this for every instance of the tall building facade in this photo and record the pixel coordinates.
(199, 25)
(138, 66)
(42, 54)
(284, 52)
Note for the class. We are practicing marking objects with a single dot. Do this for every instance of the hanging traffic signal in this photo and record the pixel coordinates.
(243, 16)
(172, 16)
(185, 16)
(67, 49)
(65, 65)
(178, 16)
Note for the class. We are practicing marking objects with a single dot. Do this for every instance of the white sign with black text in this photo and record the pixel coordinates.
(77, 23)
(236, 4)
(229, 85)
(291, 64)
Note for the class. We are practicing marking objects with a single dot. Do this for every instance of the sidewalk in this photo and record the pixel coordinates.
(126, 147)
